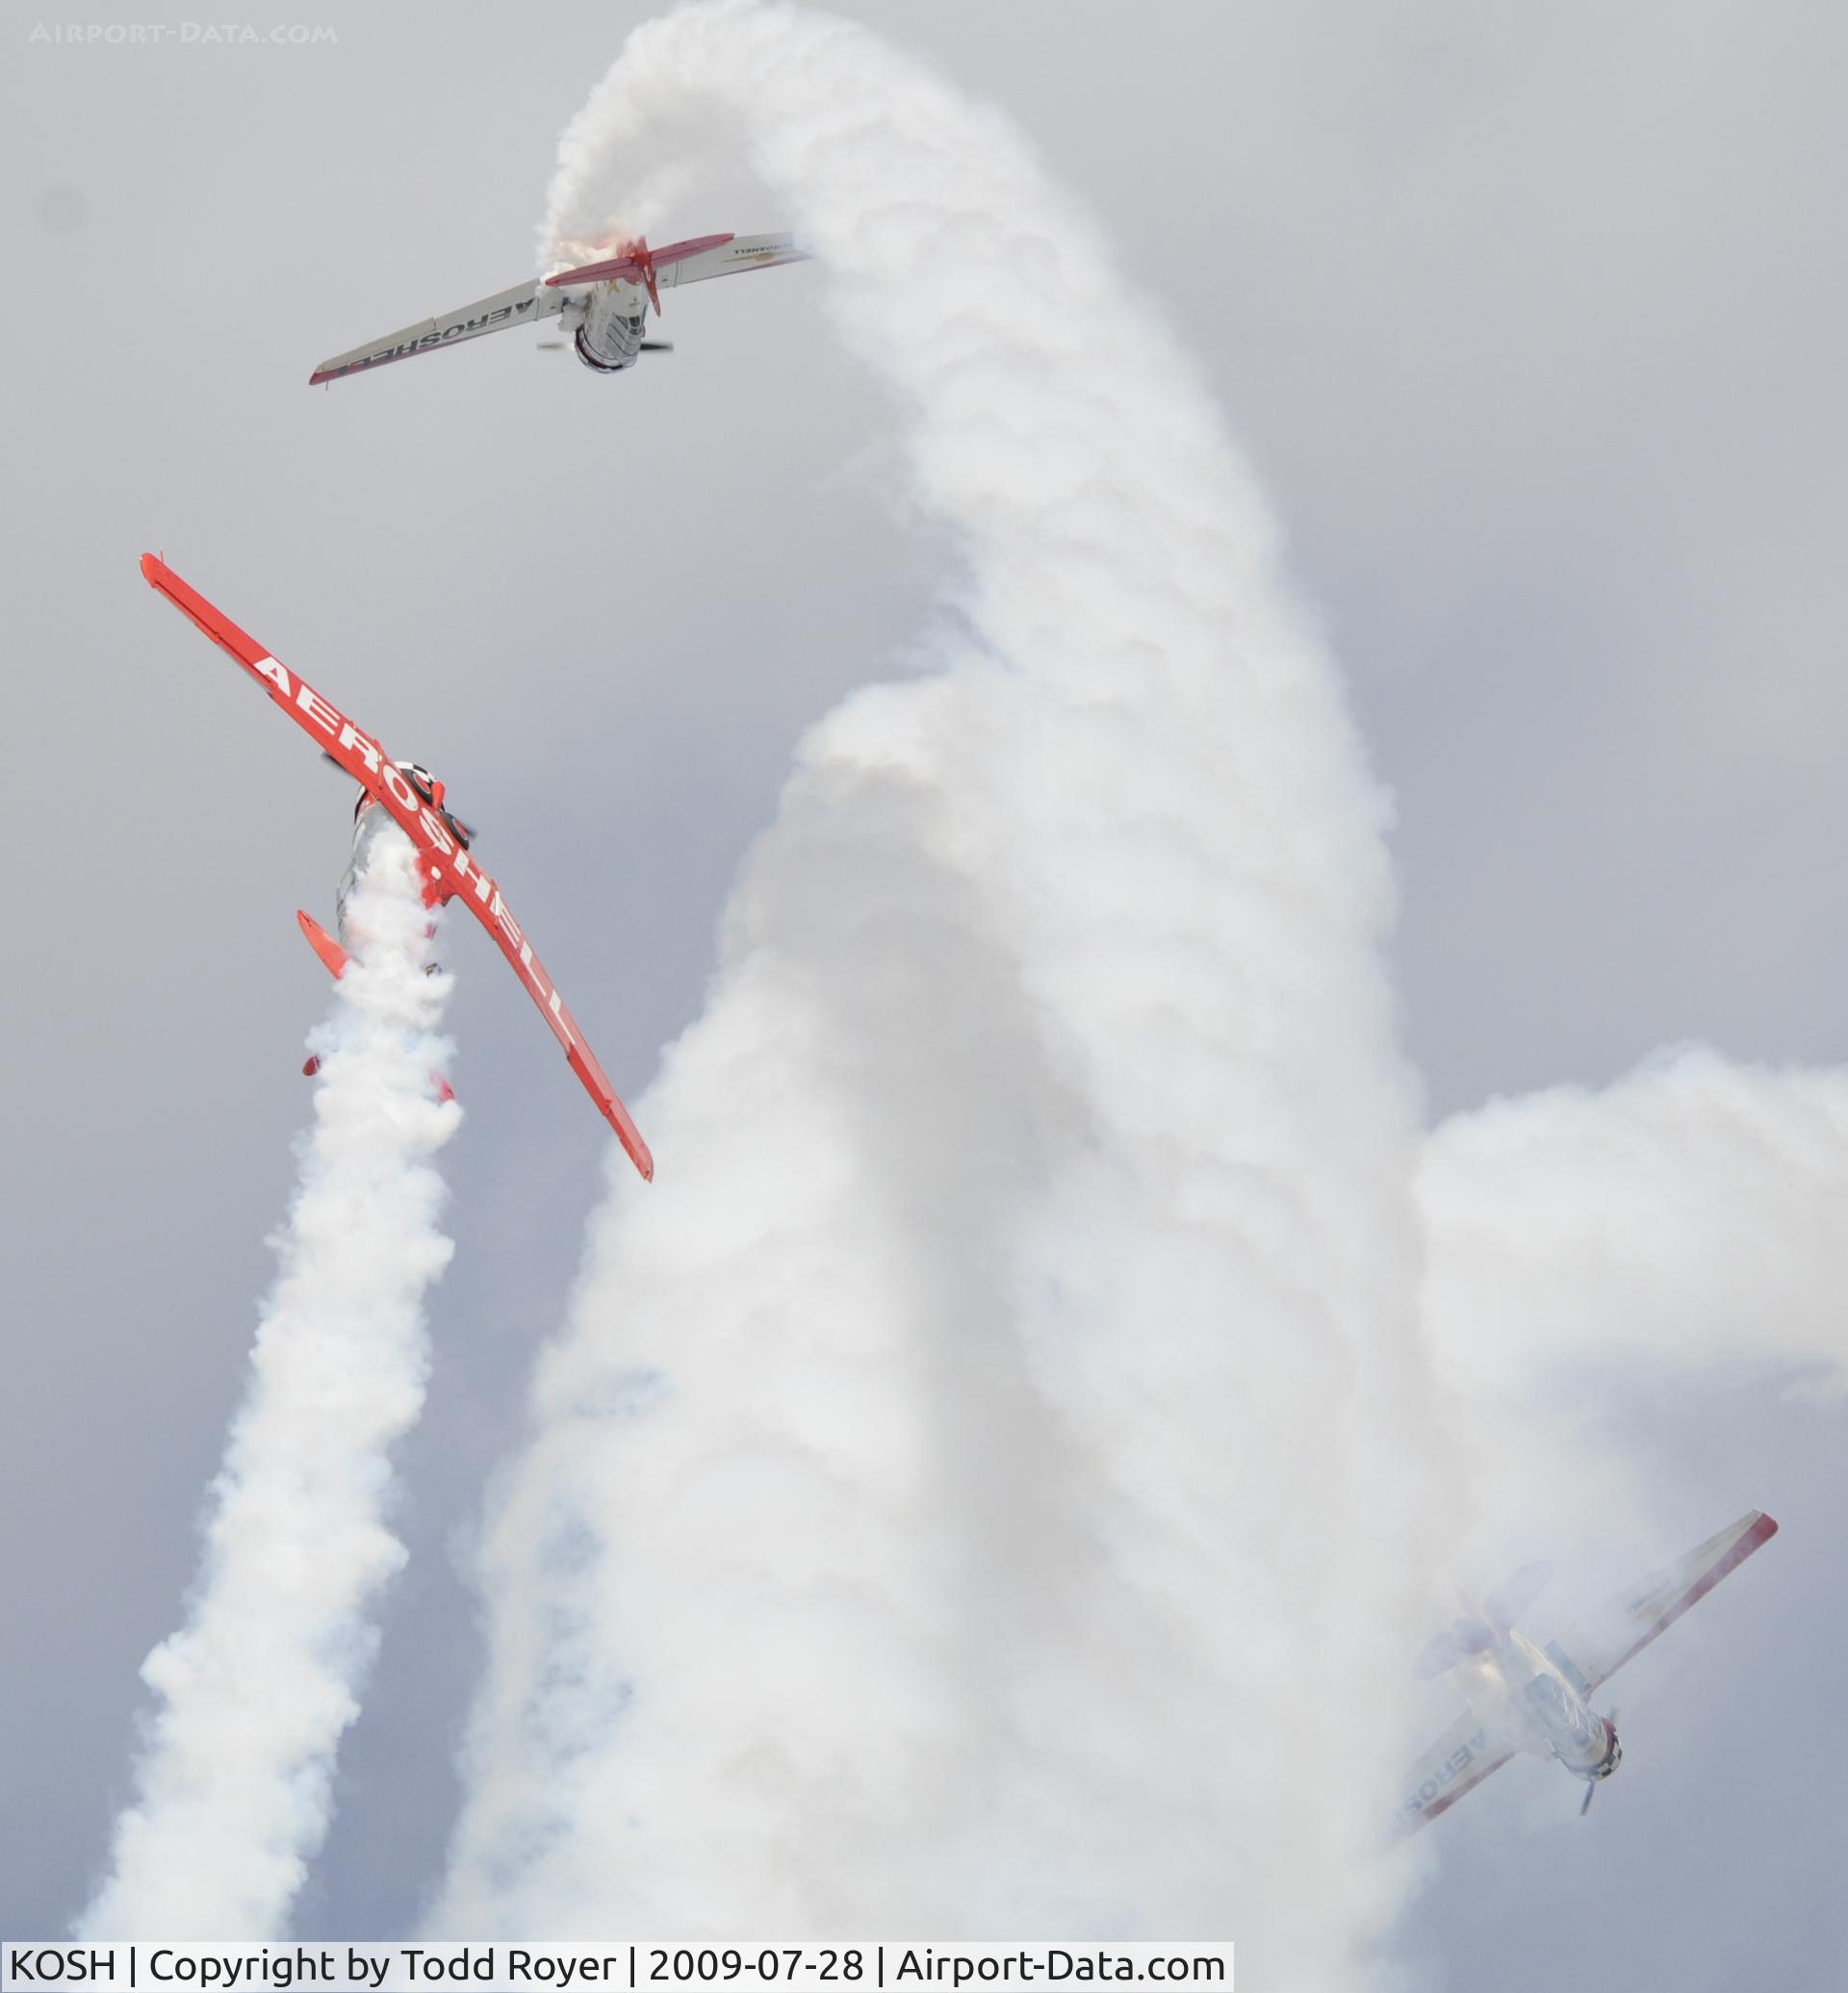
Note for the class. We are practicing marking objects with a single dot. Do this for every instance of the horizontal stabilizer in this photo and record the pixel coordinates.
(636, 263)
(443, 1092)
(333, 957)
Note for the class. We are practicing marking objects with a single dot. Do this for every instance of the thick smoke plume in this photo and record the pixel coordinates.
(986, 1486)
(257, 1688)
(1682, 1227)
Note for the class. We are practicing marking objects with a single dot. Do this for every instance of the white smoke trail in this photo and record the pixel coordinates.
(256, 1690)
(1681, 1226)
(982, 1487)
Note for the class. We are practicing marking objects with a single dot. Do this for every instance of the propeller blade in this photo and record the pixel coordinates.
(657, 346)
(551, 345)
(1591, 1784)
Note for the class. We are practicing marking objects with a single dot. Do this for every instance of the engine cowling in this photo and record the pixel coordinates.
(610, 334)
(1613, 1752)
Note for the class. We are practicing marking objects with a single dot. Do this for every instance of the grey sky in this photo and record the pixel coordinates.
(1531, 321)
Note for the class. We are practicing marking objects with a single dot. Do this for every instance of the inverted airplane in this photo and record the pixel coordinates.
(1525, 1698)
(603, 306)
(405, 794)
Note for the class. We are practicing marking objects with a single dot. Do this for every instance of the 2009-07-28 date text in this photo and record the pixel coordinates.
(792, 1962)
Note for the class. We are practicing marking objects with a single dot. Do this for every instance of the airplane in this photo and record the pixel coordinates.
(404, 793)
(1524, 1698)
(602, 305)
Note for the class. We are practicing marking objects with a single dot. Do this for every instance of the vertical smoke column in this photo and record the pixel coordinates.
(981, 1487)
(257, 1688)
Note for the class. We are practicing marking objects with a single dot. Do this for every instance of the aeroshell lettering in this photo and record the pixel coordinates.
(425, 341)
(401, 791)
(356, 742)
(1447, 1773)
(430, 831)
(498, 906)
(317, 708)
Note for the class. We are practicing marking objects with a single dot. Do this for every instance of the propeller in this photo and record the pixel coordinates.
(1592, 1784)
(561, 345)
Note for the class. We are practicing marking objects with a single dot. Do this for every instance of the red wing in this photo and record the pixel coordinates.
(483, 898)
(330, 729)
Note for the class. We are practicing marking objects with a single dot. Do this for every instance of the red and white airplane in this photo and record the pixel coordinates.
(1522, 1697)
(603, 306)
(405, 794)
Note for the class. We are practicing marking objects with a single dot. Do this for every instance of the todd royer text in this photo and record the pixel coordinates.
(366, 1968)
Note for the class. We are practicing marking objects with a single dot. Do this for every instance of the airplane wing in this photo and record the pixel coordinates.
(450, 872)
(1458, 1762)
(1624, 1625)
(482, 898)
(526, 304)
(740, 252)
(336, 737)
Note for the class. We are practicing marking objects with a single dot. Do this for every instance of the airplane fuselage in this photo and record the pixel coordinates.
(1520, 1693)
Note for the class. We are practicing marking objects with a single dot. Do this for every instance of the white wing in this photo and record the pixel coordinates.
(1624, 1625)
(1458, 1762)
(526, 304)
(741, 252)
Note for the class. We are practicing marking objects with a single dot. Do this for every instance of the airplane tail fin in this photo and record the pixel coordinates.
(1485, 1625)
(1512, 1596)
(1456, 1643)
